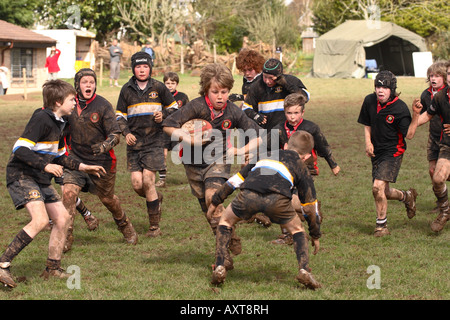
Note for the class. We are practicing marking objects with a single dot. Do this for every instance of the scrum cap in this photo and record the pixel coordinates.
(141, 57)
(273, 67)
(83, 73)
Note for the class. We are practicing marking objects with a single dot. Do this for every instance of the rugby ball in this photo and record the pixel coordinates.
(200, 131)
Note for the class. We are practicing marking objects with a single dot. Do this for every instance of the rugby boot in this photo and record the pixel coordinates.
(53, 269)
(91, 222)
(306, 278)
(410, 202)
(6, 276)
(263, 220)
(438, 224)
(161, 183)
(124, 225)
(381, 231)
(154, 230)
(57, 273)
(219, 274)
(284, 238)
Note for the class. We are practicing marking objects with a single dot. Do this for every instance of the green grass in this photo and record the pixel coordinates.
(177, 266)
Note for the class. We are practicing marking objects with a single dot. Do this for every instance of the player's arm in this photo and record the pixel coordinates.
(417, 118)
(228, 188)
(368, 141)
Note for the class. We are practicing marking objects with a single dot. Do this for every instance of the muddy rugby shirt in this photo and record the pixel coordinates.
(435, 122)
(389, 125)
(440, 105)
(136, 108)
(90, 123)
(181, 98)
(282, 175)
(229, 118)
(41, 143)
(270, 101)
(321, 146)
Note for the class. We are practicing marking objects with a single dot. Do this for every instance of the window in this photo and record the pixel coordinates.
(22, 58)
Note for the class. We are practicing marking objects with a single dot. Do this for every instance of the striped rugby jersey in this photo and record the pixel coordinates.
(41, 143)
(136, 108)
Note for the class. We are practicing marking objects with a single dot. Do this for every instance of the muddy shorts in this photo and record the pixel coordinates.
(151, 159)
(386, 169)
(277, 207)
(432, 149)
(26, 190)
(444, 151)
(102, 187)
(201, 178)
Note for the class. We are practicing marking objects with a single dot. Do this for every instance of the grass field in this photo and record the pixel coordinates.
(412, 262)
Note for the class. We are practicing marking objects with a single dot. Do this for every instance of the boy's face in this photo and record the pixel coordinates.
(87, 86)
(269, 79)
(294, 114)
(218, 95)
(171, 85)
(249, 73)
(436, 81)
(142, 72)
(67, 106)
(383, 94)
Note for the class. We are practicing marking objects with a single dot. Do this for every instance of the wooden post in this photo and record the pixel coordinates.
(182, 60)
(24, 75)
(101, 72)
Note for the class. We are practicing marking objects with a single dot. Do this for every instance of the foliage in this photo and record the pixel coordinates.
(100, 17)
(228, 35)
(18, 12)
(426, 18)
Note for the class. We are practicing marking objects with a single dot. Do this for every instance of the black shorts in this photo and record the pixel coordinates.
(102, 187)
(444, 151)
(432, 149)
(386, 168)
(201, 178)
(277, 207)
(26, 190)
(151, 159)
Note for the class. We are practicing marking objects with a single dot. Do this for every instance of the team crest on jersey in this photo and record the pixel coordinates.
(180, 103)
(153, 94)
(390, 119)
(226, 124)
(278, 89)
(95, 117)
(34, 194)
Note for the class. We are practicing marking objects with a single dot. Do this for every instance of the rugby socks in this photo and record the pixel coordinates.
(20, 241)
(442, 198)
(153, 212)
(81, 208)
(301, 250)
(223, 238)
(162, 174)
(382, 223)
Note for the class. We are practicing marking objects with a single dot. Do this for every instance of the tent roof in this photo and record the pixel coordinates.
(370, 33)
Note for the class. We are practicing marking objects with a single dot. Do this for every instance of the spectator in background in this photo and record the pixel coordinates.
(115, 52)
(51, 63)
(4, 80)
(148, 48)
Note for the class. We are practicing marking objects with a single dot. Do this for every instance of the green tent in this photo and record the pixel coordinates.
(343, 51)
